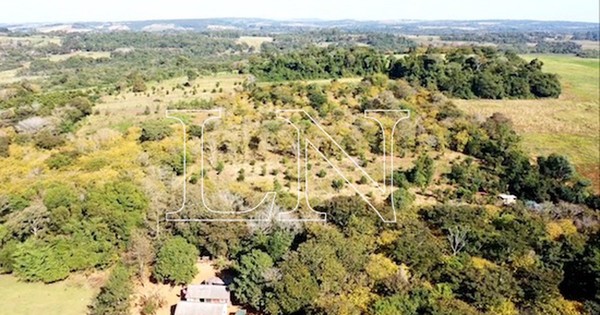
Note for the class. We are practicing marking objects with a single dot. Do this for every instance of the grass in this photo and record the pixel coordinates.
(122, 111)
(10, 76)
(316, 81)
(87, 54)
(569, 125)
(580, 77)
(34, 39)
(254, 41)
(588, 44)
(69, 297)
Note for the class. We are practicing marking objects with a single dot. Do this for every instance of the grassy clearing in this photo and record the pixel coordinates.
(34, 39)
(11, 76)
(69, 297)
(580, 77)
(126, 109)
(318, 81)
(588, 44)
(87, 54)
(254, 41)
(569, 125)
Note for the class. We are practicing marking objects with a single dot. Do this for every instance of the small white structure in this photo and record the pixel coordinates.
(507, 199)
(194, 308)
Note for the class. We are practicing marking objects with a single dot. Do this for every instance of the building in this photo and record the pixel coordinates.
(209, 298)
(214, 281)
(207, 293)
(507, 199)
(194, 308)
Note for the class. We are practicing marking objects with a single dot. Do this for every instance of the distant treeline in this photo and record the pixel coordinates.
(543, 42)
(497, 38)
(595, 36)
(464, 73)
(198, 43)
(384, 42)
(154, 56)
(318, 63)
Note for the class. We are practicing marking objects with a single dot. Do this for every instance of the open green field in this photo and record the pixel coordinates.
(569, 125)
(69, 297)
(579, 76)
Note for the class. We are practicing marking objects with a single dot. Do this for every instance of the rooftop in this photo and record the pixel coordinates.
(194, 308)
(203, 291)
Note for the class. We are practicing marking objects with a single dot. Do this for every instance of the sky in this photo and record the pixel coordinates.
(21, 11)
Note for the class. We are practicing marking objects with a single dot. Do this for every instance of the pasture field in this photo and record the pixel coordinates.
(579, 76)
(588, 44)
(69, 297)
(254, 41)
(34, 39)
(124, 110)
(10, 76)
(569, 125)
(319, 81)
(86, 54)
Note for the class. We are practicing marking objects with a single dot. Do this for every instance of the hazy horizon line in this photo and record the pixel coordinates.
(308, 19)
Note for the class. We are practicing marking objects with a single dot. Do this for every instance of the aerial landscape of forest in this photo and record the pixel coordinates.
(327, 166)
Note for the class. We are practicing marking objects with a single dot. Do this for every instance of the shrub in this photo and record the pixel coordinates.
(34, 261)
(47, 140)
(401, 199)
(60, 160)
(155, 130)
(241, 175)
(220, 167)
(151, 303)
(337, 184)
(4, 144)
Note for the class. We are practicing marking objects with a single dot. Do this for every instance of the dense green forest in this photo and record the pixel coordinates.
(89, 167)
(383, 42)
(463, 73)
(482, 73)
(318, 63)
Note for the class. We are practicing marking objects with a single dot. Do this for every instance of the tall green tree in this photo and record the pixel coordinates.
(114, 297)
(250, 283)
(176, 261)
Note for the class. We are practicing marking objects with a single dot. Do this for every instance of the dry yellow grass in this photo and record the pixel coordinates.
(11, 76)
(254, 41)
(125, 110)
(588, 44)
(319, 81)
(34, 39)
(87, 54)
